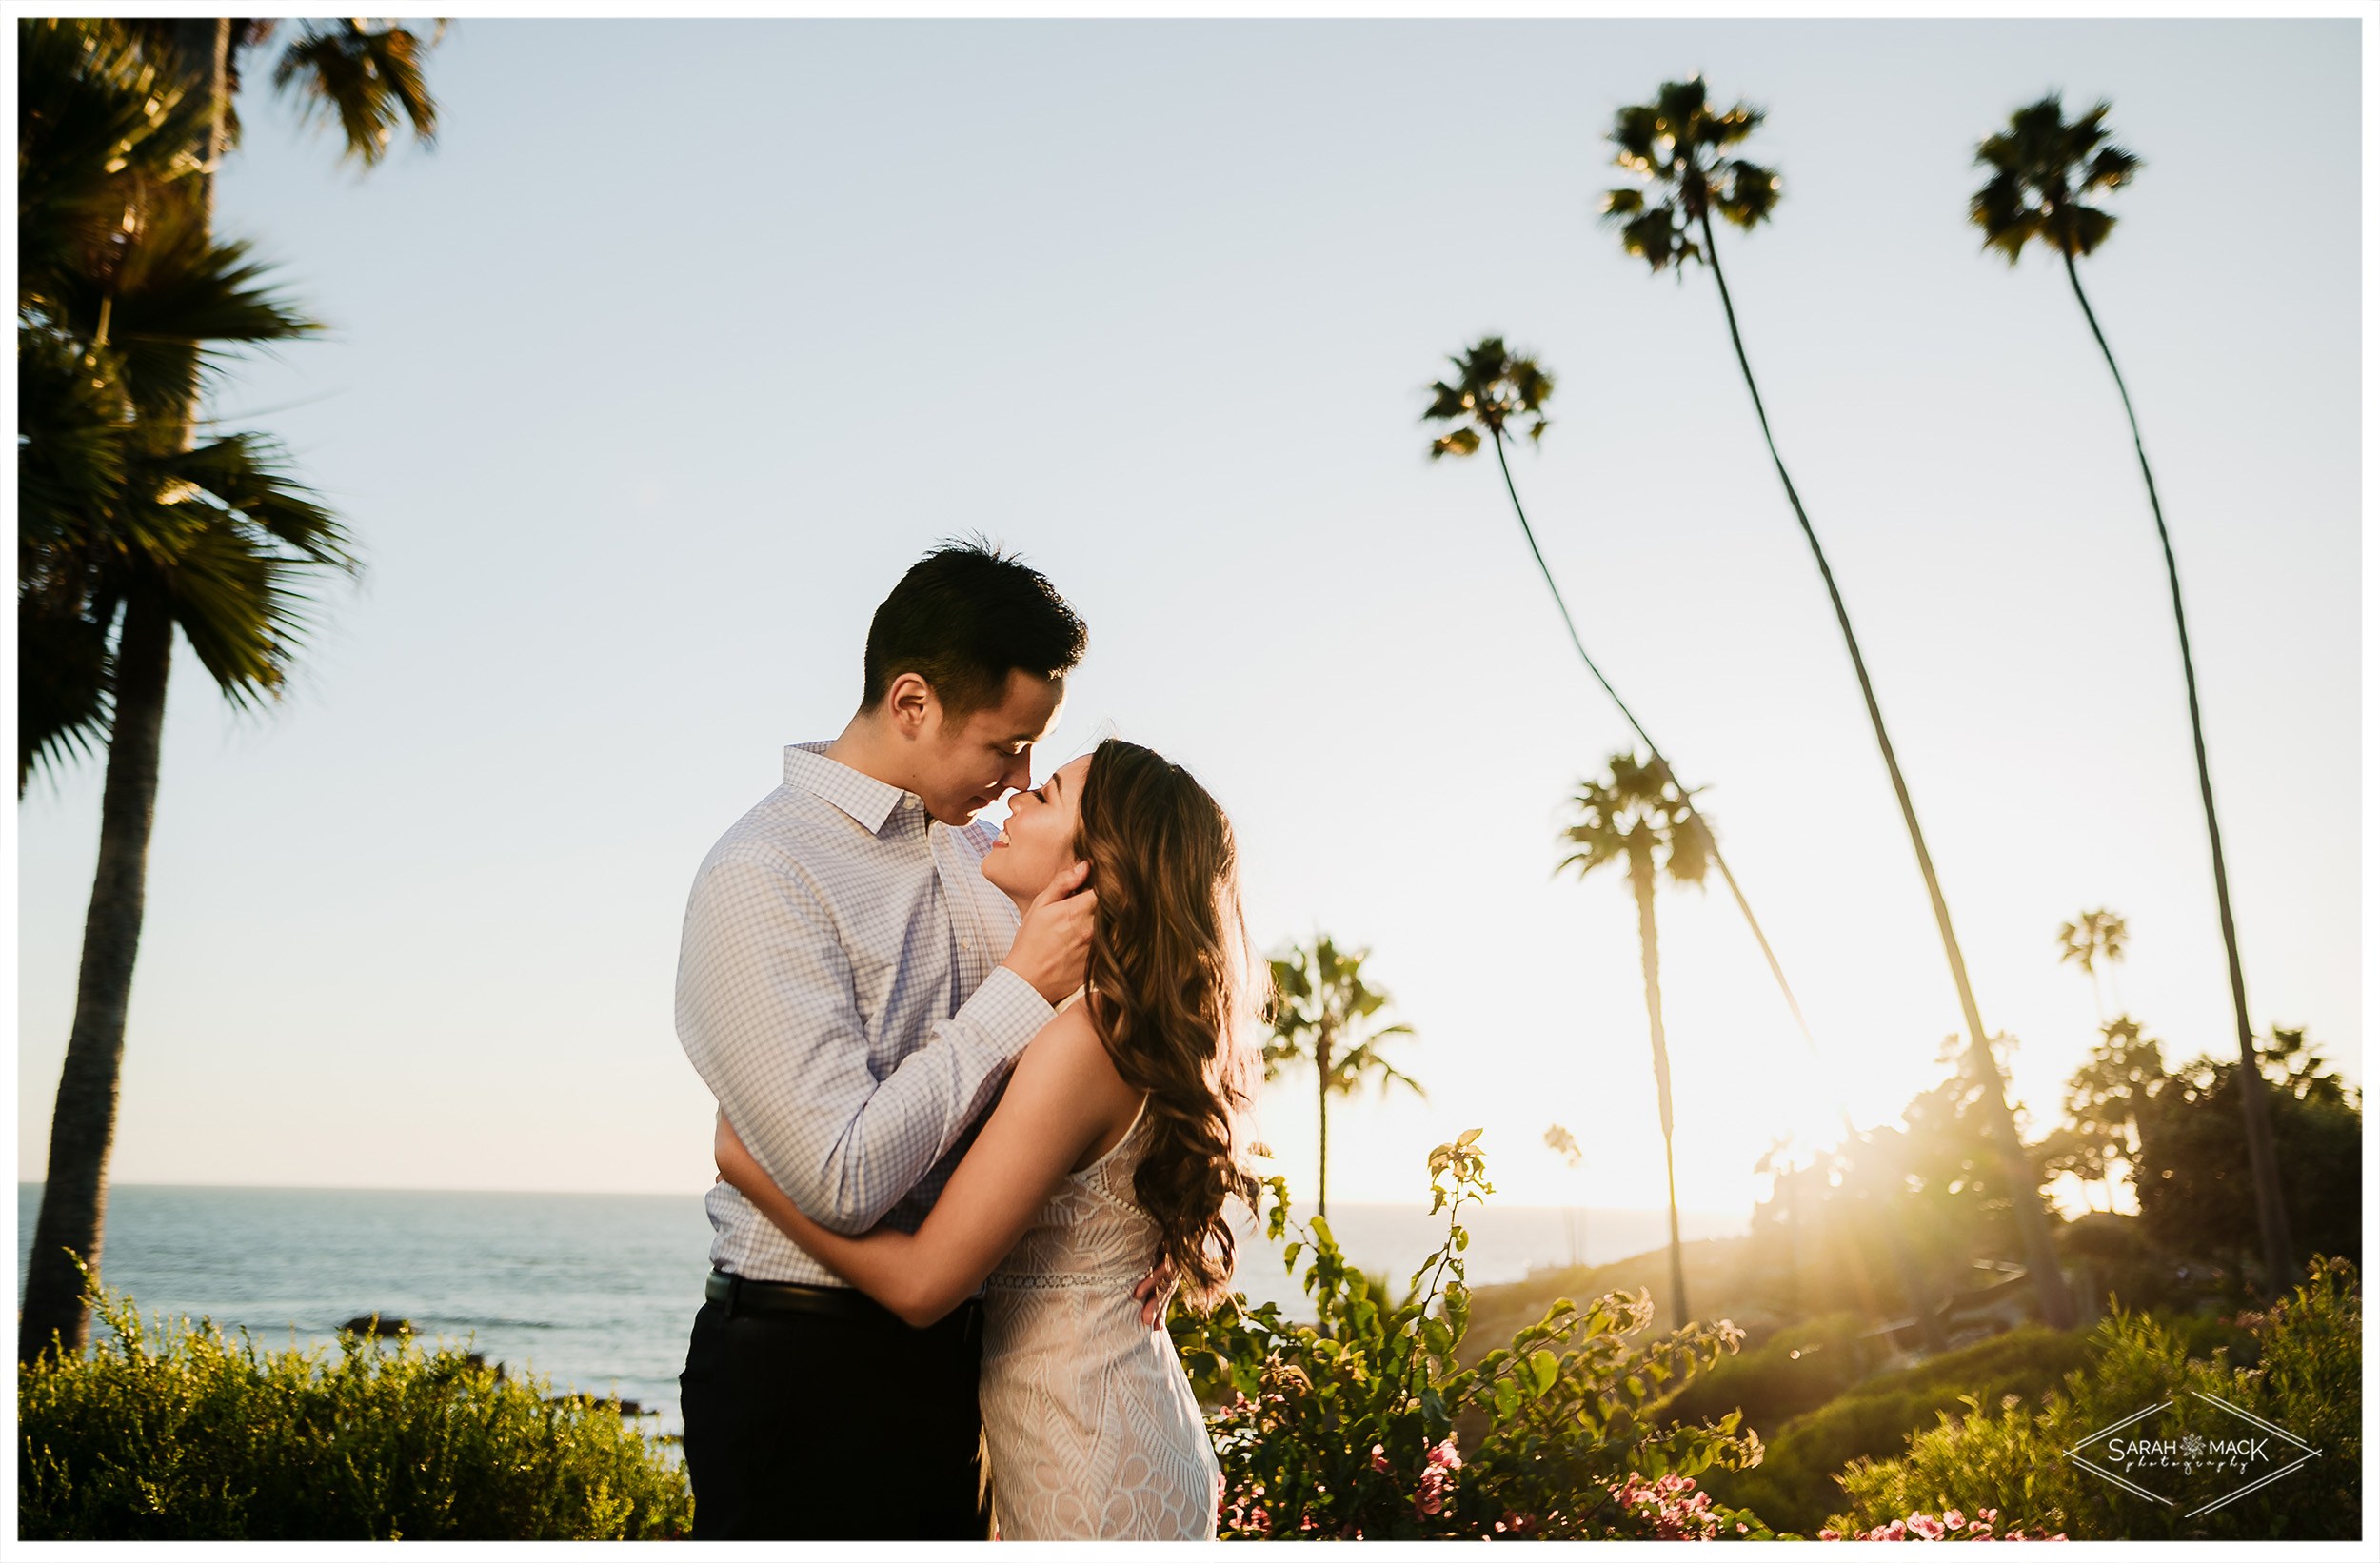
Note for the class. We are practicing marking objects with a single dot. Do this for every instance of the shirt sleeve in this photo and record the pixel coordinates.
(767, 1012)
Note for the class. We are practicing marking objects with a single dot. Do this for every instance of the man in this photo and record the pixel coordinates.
(853, 991)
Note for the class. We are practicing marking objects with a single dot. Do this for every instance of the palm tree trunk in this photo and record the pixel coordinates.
(2263, 1161)
(82, 1125)
(1912, 1281)
(1322, 1123)
(1649, 947)
(2049, 1283)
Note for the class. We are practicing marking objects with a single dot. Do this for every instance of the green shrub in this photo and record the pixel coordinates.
(1798, 1368)
(1356, 1426)
(1794, 1485)
(191, 1437)
(2308, 1381)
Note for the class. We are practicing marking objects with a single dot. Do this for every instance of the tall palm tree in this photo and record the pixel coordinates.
(1494, 388)
(1637, 816)
(2044, 173)
(1565, 1144)
(2094, 939)
(1322, 1014)
(1683, 155)
(132, 528)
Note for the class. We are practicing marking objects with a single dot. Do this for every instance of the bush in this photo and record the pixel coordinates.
(1354, 1426)
(1795, 1484)
(2308, 1381)
(1798, 1368)
(190, 1436)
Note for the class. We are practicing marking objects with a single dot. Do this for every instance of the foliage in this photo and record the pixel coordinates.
(2043, 172)
(1492, 387)
(2197, 1198)
(1797, 1368)
(1321, 1011)
(1357, 1425)
(1794, 1486)
(2308, 1381)
(2103, 1097)
(1676, 147)
(1637, 814)
(2091, 937)
(1323, 1014)
(186, 1436)
(125, 307)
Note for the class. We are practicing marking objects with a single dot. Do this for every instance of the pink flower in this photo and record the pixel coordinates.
(1952, 1518)
(1379, 1458)
(1925, 1525)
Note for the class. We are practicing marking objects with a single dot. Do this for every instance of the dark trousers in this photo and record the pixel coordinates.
(800, 1427)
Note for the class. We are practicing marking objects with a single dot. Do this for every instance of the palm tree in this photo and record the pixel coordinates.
(2044, 172)
(1565, 1144)
(2090, 940)
(131, 526)
(1322, 1014)
(1638, 816)
(1679, 149)
(1494, 388)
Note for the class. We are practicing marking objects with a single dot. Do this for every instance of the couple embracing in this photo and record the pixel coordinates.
(978, 1105)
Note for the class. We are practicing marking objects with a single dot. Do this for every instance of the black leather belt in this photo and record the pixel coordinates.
(751, 1297)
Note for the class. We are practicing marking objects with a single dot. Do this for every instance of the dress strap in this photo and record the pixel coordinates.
(1121, 1140)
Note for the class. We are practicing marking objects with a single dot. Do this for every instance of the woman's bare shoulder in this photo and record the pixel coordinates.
(1068, 1054)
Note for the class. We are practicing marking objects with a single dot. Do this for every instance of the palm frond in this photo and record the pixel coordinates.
(2042, 168)
(65, 683)
(244, 542)
(172, 301)
(1491, 386)
(99, 127)
(365, 81)
(73, 436)
(1751, 193)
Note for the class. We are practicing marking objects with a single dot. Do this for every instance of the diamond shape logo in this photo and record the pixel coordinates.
(2199, 1449)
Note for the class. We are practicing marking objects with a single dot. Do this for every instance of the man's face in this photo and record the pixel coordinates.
(965, 765)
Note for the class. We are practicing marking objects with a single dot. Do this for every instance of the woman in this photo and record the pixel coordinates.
(1114, 1139)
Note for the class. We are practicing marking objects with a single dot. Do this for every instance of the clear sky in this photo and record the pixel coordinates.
(647, 383)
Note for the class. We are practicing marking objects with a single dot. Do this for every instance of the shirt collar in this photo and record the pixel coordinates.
(862, 797)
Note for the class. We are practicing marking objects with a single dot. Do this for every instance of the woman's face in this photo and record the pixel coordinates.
(1038, 841)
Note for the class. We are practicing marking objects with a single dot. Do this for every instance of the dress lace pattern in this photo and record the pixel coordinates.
(1092, 1429)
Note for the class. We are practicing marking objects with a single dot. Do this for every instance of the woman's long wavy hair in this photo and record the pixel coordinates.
(1170, 989)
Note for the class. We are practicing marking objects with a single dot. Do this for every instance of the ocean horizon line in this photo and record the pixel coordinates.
(1701, 1212)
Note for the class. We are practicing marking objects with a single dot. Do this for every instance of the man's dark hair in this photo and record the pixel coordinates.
(961, 618)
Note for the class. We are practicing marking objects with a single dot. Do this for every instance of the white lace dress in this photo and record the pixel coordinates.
(1088, 1417)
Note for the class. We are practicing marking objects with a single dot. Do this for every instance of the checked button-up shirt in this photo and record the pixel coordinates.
(841, 993)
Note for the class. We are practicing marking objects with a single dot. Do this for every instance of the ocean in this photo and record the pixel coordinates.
(595, 1291)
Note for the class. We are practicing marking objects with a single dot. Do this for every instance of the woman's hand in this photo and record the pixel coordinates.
(724, 1145)
(1154, 1289)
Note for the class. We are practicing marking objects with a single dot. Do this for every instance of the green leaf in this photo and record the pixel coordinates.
(1543, 1369)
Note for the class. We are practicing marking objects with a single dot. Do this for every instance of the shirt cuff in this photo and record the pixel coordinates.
(1007, 1010)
